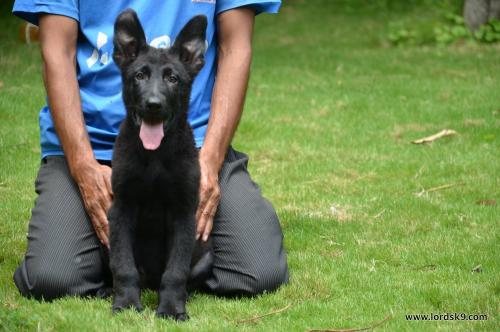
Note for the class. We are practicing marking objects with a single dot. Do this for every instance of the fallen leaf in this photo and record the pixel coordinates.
(400, 129)
(429, 267)
(420, 171)
(378, 215)
(490, 202)
(255, 318)
(438, 188)
(432, 138)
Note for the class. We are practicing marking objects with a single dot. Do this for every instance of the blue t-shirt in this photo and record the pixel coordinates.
(99, 78)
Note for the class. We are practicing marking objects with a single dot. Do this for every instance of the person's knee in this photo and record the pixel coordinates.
(267, 278)
(271, 271)
(46, 282)
(252, 260)
(43, 283)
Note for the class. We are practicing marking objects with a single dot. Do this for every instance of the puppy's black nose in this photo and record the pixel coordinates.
(153, 103)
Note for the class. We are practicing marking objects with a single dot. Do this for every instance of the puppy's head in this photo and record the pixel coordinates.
(157, 82)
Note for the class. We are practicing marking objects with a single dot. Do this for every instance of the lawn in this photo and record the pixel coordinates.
(375, 227)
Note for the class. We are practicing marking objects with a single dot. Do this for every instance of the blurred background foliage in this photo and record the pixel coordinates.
(410, 22)
(444, 23)
(422, 22)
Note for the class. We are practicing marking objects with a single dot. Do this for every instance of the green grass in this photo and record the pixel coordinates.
(330, 114)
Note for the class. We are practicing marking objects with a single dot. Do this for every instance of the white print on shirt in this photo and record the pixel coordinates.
(205, 1)
(102, 39)
(162, 41)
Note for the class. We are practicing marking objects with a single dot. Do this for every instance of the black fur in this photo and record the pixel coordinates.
(152, 218)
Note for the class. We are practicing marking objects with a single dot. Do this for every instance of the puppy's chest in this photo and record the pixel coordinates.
(150, 182)
(158, 178)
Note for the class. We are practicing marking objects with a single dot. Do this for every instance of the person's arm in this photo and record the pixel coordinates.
(58, 40)
(235, 28)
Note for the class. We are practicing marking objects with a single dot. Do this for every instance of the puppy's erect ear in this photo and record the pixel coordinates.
(129, 38)
(190, 44)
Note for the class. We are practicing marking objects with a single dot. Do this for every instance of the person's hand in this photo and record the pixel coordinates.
(209, 199)
(94, 181)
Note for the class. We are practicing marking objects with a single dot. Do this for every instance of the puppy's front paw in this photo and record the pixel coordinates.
(122, 305)
(126, 300)
(180, 317)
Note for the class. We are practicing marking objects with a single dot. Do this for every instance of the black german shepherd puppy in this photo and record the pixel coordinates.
(156, 173)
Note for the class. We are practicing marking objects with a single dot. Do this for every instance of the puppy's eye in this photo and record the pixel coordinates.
(172, 79)
(140, 76)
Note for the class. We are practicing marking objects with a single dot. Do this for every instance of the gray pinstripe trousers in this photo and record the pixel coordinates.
(64, 256)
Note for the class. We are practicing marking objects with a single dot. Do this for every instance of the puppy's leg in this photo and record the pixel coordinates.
(123, 219)
(173, 294)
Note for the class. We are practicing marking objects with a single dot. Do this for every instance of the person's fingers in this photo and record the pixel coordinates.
(102, 218)
(105, 229)
(106, 204)
(96, 192)
(205, 217)
(199, 216)
(100, 222)
(103, 236)
(107, 179)
(105, 239)
(98, 228)
(204, 196)
(106, 200)
(101, 233)
(208, 228)
(200, 226)
(100, 213)
(209, 213)
(201, 219)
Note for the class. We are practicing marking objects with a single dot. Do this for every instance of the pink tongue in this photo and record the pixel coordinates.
(151, 135)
